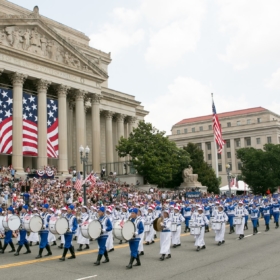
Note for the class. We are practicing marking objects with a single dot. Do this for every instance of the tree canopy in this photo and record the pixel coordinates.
(261, 168)
(206, 174)
(154, 156)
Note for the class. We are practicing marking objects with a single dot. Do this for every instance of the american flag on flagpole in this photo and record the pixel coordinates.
(30, 127)
(52, 132)
(217, 129)
(79, 182)
(232, 182)
(6, 121)
(91, 179)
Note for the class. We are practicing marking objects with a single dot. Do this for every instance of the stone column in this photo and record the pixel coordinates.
(233, 156)
(95, 121)
(70, 132)
(109, 136)
(80, 126)
(203, 148)
(62, 129)
(42, 87)
(120, 129)
(17, 157)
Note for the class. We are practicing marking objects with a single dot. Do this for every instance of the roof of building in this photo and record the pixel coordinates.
(223, 115)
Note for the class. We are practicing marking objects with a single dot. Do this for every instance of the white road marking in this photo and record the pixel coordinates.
(88, 277)
(247, 235)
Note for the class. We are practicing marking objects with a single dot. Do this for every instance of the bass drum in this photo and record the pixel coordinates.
(58, 225)
(32, 224)
(156, 224)
(91, 229)
(124, 231)
(11, 223)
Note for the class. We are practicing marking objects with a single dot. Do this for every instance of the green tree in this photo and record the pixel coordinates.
(153, 155)
(206, 174)
(260, 168)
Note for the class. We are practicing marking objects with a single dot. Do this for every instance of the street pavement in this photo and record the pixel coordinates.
(255, 257)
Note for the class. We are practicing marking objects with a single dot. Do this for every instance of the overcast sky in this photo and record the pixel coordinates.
(172, 54)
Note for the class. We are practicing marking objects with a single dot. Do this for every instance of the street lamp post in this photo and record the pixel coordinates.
(228, 177)
(84, 160)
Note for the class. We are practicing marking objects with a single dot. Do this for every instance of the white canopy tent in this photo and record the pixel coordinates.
(242, 186)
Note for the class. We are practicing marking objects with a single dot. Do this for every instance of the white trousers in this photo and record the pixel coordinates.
(109, 241)
(199, 238)
(239, 229)
(165, 242)
(33, 237)
(150, 234)
(82, 240)
(141, 247)
(176, 236)
(220, 234)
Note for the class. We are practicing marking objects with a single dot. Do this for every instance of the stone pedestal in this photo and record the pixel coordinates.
(187, 187)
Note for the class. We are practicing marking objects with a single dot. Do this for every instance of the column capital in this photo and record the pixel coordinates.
(42, 85)
(120, 117)
(95, 98)
(108, 114)
(18, 78)
(131, 119)
(62, 90)
(80, 94)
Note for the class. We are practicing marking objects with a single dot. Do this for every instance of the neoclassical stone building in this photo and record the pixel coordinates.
(46, 58)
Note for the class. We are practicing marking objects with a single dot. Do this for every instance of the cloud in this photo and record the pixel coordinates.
(274, 82)
(119, 35)
(253, 30)
(186, 98)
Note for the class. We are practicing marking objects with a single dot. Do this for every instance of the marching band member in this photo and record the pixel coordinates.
(82, 240)
(240, 212)
(134, 242)
(275, 211)
(186, 212)
(124, 215)
(149, 220)
(171, 211)
(141, 217)
(201, 221)
(266, 214)
(109, 241)
(8, 234)
(51, 236)
(101, 240)
(165, 236)
(68, 236)
(93, 213)
(246, 217)
(207, 214)
(22, 233)
(2, 231)
(44, 232)
(62, 239)
(254, 218)
(222, 218)
(33, 236)
(178, 219)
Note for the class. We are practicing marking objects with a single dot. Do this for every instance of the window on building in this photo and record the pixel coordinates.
(208, 146)
(258, 141)
(228, 154)
(210, 127)
(237, 143)
(193, 129)
(220, 168)
(209, 157)
(199, 145)
(248, 141)
(178, 131)
(229, 124)
(268, 139)
(248, 121)
(228, 143)
(219, 156)
(259, 120)
(238, 123)
(185, 130)
(239, 165)
(201, 128)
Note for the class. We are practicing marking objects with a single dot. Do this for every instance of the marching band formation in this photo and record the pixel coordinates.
(136, 224)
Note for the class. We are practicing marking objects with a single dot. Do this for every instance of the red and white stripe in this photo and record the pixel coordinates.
(52, 141)
(30, 138)
(6, 132)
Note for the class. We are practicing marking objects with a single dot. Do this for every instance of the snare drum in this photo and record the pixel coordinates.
(146, 227)
(191, 223)
(216, 226)
(124, 233)
(195, 230)
(173, 227)
(237, 220)
(91, 229)
(32, 224)
(58, 225)
(11, 223)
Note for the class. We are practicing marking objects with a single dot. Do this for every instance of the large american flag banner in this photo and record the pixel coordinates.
(79, 182)
(6, 120)
(52, 121)
(30, 127)
(217, 129)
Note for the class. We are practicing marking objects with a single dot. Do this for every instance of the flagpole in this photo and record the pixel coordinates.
(215, 148)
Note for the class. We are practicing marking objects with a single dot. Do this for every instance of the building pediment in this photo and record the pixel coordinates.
(31, 35)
